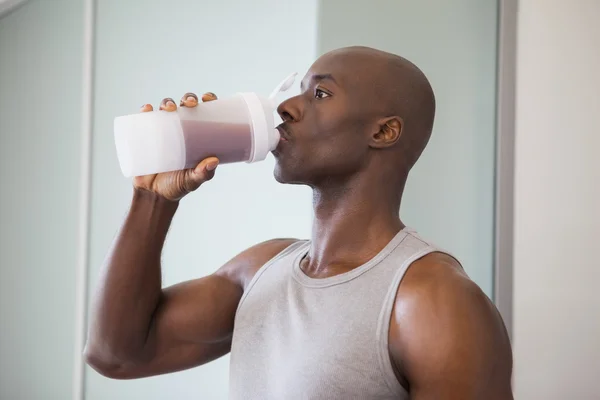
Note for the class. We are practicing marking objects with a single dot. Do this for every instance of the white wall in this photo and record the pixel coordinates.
(450, 194)
(557, 201)
(40, 118)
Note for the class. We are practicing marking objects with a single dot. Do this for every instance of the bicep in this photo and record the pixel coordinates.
(192, 325)
(198, 311)
(449, 362)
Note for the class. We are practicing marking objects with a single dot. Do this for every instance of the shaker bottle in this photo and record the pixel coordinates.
(235, 129)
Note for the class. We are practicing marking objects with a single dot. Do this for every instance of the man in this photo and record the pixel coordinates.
(366, 309)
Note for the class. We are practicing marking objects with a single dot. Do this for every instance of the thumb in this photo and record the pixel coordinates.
(203, 172)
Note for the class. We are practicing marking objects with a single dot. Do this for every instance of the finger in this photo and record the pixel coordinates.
(146, 108)
(168, 104)
(209, 96)
(203, 172)
(189, 100)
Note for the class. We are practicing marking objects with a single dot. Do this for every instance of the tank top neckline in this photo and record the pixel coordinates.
(308, 281)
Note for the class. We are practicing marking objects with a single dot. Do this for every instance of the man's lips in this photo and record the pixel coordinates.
(285, 135)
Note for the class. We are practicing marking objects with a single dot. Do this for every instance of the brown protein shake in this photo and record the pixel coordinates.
(229, 142)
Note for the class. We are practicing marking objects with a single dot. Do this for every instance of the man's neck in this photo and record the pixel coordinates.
(352, 223)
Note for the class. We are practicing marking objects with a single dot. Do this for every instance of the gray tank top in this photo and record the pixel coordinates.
(297, 337)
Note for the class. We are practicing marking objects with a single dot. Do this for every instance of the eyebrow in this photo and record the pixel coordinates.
(319, 78)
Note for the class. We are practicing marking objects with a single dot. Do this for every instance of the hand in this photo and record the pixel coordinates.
(176, 184)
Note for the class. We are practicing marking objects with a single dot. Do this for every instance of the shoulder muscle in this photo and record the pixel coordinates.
(446, 336)
(241, 268)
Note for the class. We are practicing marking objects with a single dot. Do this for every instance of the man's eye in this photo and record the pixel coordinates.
(319, 94)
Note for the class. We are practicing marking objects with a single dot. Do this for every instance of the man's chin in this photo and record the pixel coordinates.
(279, 175)
(283, 176)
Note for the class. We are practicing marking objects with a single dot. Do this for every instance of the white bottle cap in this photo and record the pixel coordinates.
(283, 85)
(265, 136)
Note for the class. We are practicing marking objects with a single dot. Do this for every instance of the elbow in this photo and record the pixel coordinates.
(113, 365)
(105, 364)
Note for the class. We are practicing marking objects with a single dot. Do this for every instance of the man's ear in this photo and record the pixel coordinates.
(390, 130)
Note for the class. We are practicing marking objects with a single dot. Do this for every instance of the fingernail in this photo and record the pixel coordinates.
(212, 165)
(189, 101)
(209, 96)
(170, 103)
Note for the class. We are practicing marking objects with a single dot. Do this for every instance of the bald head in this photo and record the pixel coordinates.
(387, 84)
(362, 114)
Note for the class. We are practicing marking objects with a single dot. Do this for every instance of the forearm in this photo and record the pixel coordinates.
(129, 288)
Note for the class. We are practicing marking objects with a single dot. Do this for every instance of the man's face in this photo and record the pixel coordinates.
(326, 128)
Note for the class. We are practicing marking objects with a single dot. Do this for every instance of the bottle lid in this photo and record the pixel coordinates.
(283, 86)
(265, 135)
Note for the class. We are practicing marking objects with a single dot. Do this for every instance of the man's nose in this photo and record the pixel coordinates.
(291, 109)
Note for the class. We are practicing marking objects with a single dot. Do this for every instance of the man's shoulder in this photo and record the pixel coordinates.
(433, 272)
(443, 321)
(244, 265)
(269, 248)
(437, 282)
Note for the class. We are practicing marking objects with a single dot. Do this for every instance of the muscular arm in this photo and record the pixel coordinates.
(447, 341)
(137, 328)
